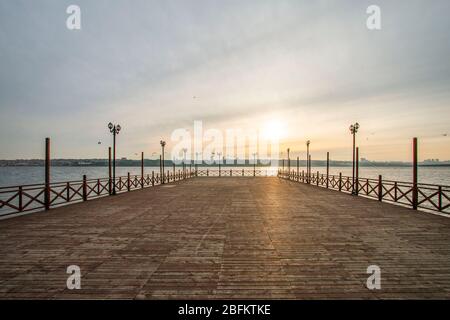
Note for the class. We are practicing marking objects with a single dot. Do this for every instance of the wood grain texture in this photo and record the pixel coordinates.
(225, 238)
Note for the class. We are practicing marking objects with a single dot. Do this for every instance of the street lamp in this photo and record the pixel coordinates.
(184, 161)
(114, 129)
(196, 162)
(289, 161)
(254, 163)
(163, 144)
(353, 130)
(307, 160)
(219, 154)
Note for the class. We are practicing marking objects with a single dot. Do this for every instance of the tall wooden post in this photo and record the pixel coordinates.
(109, 171)
(142, 170)
(340, 181)
(415, 189)
(328, 168)
(47, 174)
(298, 167)
(20, 198)
(380, 188)
(357, 172)
(84, 188)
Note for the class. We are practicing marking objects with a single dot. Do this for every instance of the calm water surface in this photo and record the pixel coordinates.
(10, 176)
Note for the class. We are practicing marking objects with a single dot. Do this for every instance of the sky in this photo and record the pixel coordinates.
(307, 69)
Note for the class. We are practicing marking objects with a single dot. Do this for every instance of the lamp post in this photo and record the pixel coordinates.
(114, 129)
(184, 161)
(196, 163)
(163, 144)
(307, 160)
(219, 154)
(353, 130)
(289, 161)
(254, 163)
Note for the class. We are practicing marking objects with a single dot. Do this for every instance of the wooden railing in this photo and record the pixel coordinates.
(425, 196)
(36, 197)
(229, 172)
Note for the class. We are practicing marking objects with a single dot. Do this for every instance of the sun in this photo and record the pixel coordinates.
(273, 130)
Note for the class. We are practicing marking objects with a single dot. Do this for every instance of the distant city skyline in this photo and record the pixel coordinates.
(307, 69)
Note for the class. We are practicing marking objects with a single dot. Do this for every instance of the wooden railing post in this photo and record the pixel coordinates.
(153, 178)
(317, 179)
(395, 191)
(298, 167)
(142, 170)
(128, 182)
(440, 198)
(84, 188)
(380, 188)
(20, 199)
(340, 181)
(328, 168)
(67, 191)
(415, 196)
(47, 174)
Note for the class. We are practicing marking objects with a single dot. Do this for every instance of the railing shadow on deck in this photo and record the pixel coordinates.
(429, 197)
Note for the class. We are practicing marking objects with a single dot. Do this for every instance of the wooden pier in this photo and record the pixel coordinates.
(226, 238)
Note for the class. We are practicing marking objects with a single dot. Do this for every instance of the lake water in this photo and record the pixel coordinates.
(10, 176)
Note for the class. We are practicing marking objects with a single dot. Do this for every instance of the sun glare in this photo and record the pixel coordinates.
(273, 130)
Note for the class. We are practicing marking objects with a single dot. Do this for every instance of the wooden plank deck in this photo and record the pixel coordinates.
(226, 238)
